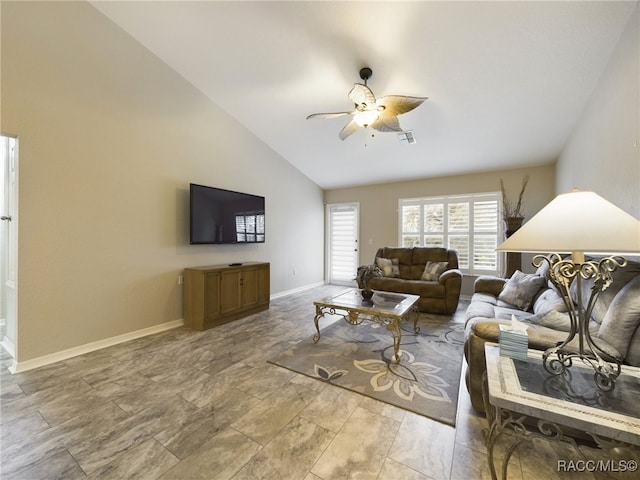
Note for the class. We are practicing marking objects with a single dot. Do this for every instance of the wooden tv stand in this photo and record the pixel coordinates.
(218, 294)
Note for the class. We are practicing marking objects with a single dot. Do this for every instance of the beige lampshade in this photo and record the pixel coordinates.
(577, 222)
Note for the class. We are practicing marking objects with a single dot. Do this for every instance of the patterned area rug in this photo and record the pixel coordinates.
(360, 358)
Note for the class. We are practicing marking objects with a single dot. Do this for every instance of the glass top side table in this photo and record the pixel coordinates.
(522, 398)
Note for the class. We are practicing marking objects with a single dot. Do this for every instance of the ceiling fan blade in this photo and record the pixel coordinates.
(362, 95)
(386, 123)
(329, 115)
(349, 129)
(399, 104)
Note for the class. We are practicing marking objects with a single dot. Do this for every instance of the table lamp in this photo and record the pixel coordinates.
(576, 223)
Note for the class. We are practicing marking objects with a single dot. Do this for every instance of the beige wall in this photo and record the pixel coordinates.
(603, 153)
(379, 203)
(110, 138)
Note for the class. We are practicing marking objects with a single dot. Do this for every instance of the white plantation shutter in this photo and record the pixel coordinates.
(410, 217)
(468, 224)
(343, 243)
(485, 234)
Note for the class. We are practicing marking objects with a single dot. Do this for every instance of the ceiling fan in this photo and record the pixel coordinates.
(380, 114)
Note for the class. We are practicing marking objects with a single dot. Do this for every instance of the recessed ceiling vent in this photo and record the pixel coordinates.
(407, 137)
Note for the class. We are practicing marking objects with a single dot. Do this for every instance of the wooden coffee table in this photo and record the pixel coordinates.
(384, 308)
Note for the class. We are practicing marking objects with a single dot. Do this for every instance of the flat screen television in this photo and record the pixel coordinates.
(220, 216)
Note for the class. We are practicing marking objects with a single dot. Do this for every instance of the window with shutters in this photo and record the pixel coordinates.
(469, 224)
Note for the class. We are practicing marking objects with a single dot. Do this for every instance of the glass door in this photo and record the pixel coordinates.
(9, 244)
(342, 243)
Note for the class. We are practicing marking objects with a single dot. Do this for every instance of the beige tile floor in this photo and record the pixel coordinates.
(207, 405)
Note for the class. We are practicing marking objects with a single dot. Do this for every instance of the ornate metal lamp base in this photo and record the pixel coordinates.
(562, 273)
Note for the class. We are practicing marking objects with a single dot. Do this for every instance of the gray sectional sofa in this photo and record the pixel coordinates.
(534, 300)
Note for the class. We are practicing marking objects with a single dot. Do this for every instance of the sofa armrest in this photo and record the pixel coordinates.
(475, 358)
(480, 330)
(489, 284)
(448, 274)
(451, 280)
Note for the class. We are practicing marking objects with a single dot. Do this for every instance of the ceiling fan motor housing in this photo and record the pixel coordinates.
(365, 73)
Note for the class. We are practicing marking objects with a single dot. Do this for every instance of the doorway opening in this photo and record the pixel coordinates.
(9, 245)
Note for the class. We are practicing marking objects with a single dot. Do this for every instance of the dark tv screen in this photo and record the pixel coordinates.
(220, 216)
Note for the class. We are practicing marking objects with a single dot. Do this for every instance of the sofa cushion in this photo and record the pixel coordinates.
(412, 287)
(478, 310)
(422, 255)
(560, 321)
(505, 313)
(633, 354)
(520, 289)
(432, 270)
(623, 317)
(549, 299)
(390, 266)
(552, 319)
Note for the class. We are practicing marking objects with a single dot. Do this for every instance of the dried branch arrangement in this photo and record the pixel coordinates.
(509, 208)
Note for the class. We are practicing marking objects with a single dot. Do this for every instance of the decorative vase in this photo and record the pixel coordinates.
(512, 224)
(366, 293)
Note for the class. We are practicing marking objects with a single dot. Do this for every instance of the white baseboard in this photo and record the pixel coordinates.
(19, 367)
(297, 290)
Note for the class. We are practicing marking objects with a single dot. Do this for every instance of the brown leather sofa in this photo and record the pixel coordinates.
(615, 321)
(440, 295)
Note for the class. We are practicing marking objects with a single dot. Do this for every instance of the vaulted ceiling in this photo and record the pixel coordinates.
(506, 81)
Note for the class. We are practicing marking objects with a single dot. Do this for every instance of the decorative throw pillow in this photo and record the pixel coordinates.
(521, 289)
(432, 270)
(548, 299)
(390, 266)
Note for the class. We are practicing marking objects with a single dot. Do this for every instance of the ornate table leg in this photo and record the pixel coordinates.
(316, 319)
(393, 325)
(498, 420)
(502, 419)
(353, 318)
(416, 316)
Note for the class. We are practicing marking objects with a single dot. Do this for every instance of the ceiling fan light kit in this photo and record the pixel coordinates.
(366, 117)
(381, 114)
